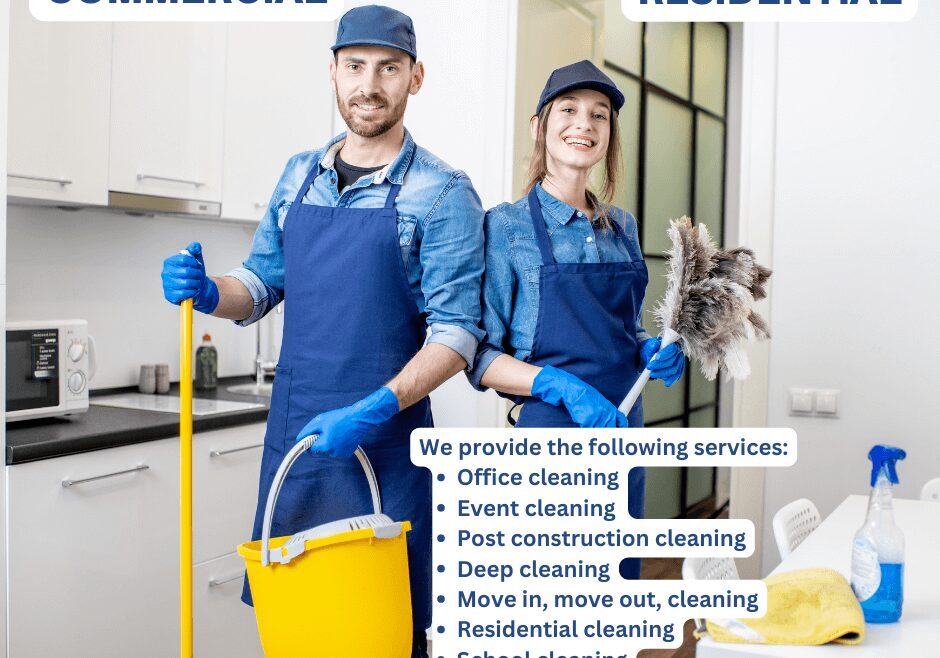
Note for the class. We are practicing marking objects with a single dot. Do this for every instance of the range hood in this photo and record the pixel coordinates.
(147, 203)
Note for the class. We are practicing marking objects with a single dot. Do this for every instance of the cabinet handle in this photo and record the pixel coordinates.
(217, 582)
(261, 204)
(183, 181)
(221, 453)
(43, 179)
(72, 483)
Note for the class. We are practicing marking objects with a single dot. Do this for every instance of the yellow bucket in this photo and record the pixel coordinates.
(340, 590)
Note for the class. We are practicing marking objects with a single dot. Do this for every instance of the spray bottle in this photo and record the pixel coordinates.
(878, 549)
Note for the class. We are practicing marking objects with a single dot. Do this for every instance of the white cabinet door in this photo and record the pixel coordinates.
(278, 102)
(222, 624)
(60, 79)
(167, 102)
(226, 464)
(94, 566)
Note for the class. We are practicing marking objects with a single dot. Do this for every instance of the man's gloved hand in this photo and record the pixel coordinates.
(184, 277)
(342, 430)
(584, 403)
(667, 365)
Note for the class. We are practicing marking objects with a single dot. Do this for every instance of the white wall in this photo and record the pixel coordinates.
(105, 267)
(854, 304)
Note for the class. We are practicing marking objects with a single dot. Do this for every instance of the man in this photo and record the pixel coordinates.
(374, 240)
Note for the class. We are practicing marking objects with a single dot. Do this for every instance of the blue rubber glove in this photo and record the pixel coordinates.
(184, 277)
(342, 430)
(666, 365)
(584, 403)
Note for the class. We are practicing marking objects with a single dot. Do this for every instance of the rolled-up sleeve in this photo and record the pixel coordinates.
(497, 297)
(451, 256)
(262, 273)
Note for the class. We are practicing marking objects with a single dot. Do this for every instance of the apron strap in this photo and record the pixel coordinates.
(392, 195)
(308, 181)
(509, 417)
(541, 233)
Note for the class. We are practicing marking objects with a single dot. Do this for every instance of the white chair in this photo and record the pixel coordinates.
(793, 523)
(708, 568)
(931, 491)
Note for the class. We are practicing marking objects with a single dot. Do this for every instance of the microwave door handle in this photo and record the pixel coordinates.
(92, 361)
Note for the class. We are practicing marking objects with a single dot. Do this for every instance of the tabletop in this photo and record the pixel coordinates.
(917, 634)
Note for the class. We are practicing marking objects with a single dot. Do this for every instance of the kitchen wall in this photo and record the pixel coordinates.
(854, 302)
(105, 267)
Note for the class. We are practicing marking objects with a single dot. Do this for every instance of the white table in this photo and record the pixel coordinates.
(917, 634)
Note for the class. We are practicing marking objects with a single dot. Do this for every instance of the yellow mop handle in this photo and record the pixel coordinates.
(186, 479)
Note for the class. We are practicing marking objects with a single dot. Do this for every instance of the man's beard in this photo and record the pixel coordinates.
(370, 128)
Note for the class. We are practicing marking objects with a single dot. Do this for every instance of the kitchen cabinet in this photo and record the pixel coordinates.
(94, 545)
(93, 566)
(226, 464)
(278, 102)
(167, 108)
(222, 624)
(60, 79)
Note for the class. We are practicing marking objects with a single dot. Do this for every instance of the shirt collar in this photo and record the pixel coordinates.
(557, 209)
(394, 171)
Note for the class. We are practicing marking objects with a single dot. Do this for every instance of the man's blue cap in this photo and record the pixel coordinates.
(374, 25)
(580, 75)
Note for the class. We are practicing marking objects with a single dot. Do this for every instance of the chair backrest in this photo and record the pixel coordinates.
(931, 491)
(709, 568)
(793, 523)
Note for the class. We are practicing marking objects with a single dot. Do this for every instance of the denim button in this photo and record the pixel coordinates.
(590, 239)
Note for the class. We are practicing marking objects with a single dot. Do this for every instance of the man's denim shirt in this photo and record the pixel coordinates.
(440, 230)
(513, 260)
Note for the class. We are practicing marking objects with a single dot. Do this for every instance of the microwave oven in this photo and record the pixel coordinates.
(48, 366)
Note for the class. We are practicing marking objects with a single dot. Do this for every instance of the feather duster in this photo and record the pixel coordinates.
(708, 305)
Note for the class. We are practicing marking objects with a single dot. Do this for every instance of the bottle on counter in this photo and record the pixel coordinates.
(878, 549)
(207, 364)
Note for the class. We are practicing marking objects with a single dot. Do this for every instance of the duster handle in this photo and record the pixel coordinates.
(669, 337)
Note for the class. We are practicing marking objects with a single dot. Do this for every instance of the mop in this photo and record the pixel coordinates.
(708, 305)
(186, 479)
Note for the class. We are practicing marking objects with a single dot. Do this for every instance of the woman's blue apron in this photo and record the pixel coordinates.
(587, 327)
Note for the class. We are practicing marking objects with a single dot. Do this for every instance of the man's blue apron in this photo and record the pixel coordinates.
(351, 325)
(587, 326)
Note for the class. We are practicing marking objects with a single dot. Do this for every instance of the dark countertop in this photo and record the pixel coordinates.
(110, 427)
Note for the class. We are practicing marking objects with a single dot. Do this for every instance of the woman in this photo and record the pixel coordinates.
(565, 277)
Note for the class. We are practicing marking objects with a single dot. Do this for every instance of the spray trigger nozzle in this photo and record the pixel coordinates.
(885, 457)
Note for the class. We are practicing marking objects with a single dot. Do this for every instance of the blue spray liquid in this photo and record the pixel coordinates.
(884, 606)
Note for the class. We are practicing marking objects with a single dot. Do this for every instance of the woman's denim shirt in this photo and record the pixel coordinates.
(440, 232)
(511, 281)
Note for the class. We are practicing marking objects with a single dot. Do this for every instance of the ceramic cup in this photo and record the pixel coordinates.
(147, 383)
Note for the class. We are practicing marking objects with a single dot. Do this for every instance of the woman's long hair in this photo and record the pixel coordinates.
(613, 164)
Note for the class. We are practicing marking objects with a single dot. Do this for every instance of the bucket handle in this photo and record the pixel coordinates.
(299, 448)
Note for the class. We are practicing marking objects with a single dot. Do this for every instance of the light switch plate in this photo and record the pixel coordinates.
(827, 403)
(801, 401)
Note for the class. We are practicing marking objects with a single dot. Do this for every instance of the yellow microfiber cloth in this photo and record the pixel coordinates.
(808, 606)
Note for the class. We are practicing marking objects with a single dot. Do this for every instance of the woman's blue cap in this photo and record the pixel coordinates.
(580, 75)
(374, 25)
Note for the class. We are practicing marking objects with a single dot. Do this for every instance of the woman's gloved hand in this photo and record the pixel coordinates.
(584, 403)
(667, 364)
(342, 430)
(184, 277)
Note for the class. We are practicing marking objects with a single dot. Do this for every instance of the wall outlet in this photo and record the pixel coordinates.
(823, 402)
(802, 401)
(827, 403)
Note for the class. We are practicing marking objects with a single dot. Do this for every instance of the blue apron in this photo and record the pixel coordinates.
(351, 325)
(587, 326)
